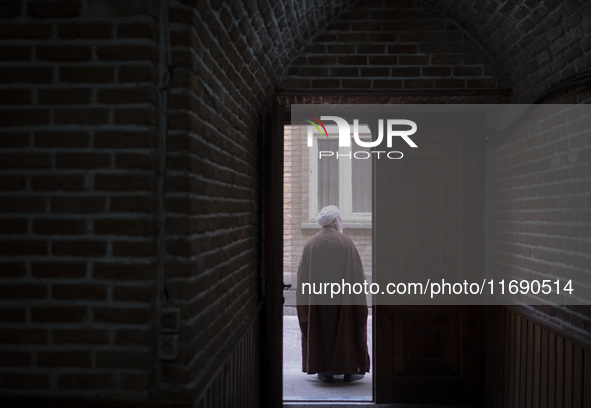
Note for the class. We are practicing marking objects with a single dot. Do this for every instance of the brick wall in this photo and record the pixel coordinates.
(538, 186)
(539, 201)
(77, 211)
(387, 46)
(226, 59)
(536, 43)
(384, 47)
(409, 47)
(95, 218)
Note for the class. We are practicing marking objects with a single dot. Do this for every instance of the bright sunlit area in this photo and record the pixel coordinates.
(315, 177)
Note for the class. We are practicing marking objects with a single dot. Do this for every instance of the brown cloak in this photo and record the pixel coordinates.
(334, 337)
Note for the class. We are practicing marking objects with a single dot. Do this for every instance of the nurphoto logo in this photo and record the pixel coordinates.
(402, 128)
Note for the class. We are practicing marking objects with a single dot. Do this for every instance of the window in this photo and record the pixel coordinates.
(340, 176)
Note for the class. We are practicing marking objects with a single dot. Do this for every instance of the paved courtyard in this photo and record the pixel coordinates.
(298, 386)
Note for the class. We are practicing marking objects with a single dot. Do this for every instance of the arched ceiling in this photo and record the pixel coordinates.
(254, 42)
(535, 42)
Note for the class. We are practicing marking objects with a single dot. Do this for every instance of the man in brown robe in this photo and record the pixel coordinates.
(334, 333)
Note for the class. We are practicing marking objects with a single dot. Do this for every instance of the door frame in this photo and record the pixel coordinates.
(271, 169)
(271, 199)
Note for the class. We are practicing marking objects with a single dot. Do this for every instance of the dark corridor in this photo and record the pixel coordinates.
(139, 174)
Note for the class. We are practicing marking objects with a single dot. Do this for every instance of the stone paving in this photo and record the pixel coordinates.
(298, 386)
(306, 391)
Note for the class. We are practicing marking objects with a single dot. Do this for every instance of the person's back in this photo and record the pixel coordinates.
(334, 337)
(332, 256)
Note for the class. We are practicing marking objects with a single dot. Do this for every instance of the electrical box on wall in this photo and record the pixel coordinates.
(170, 320)
(168, 346)
(168, 340)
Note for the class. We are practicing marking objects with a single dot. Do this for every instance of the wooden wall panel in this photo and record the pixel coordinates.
(236, 383)
(531, 365)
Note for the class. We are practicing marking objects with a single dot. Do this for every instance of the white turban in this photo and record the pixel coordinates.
(327, 215)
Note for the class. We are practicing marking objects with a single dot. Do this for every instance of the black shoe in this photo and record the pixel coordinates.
(324, 377)
(353, 377)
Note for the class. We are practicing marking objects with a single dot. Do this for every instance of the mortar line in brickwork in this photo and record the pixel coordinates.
(163, 83)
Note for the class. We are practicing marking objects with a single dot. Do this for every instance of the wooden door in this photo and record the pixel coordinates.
(428, 222)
